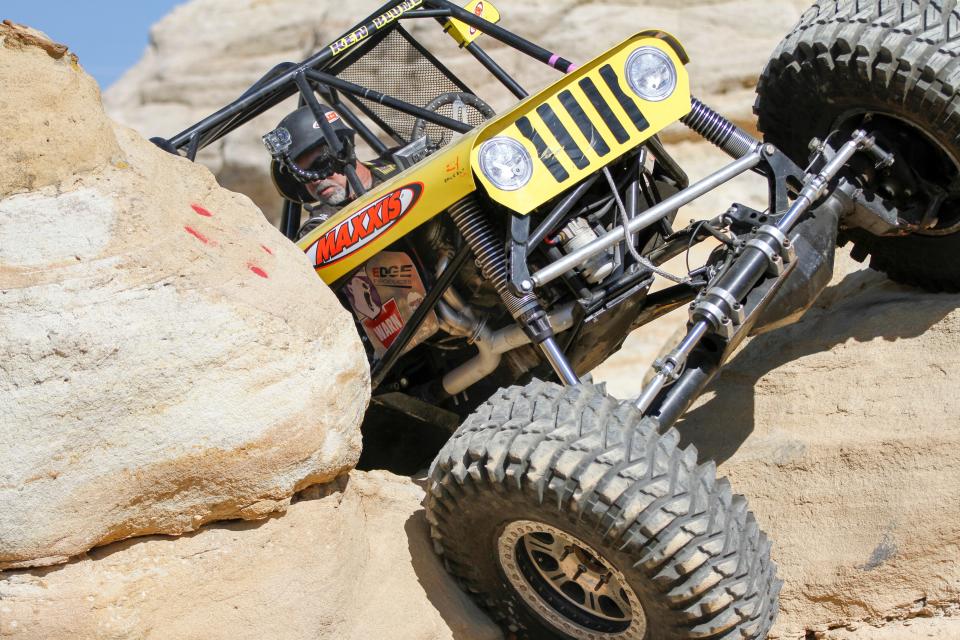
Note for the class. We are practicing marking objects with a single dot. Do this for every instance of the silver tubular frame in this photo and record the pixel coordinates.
(652, 215)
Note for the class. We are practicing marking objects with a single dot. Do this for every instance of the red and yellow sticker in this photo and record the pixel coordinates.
(463, 33)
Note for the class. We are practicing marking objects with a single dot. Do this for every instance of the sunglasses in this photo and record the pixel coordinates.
(324, 164)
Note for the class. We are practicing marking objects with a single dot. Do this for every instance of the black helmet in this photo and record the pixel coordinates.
(297, 134)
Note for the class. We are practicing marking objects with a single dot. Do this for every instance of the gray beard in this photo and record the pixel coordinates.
(336, 197)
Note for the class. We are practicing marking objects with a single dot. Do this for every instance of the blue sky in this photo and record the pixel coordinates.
(109, 36)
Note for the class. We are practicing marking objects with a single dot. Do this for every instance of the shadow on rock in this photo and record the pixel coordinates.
(453, 605)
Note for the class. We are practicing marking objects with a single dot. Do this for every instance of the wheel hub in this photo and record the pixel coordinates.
(569, 584)
(924, 183)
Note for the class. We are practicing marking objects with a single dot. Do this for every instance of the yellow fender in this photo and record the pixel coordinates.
(572, 128)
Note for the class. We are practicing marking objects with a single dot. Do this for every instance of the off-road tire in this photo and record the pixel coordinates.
(579, 460)
(893, 58)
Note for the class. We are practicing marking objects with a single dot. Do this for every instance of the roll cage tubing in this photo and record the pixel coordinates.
(290, 78)
(318, 73)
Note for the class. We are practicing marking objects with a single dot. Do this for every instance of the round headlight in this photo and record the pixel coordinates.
(506, 163)
(651, 74)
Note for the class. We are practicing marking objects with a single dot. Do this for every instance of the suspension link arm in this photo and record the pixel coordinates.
(652, 215)
(719, 308)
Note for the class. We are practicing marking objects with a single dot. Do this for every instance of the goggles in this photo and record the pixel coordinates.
(324, 164)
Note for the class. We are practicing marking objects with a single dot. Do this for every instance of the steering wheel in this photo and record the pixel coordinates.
(465, 107)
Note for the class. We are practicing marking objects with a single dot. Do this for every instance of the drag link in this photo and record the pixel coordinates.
(815, 188)
(770, 250)
(669, 367)
(719, 309)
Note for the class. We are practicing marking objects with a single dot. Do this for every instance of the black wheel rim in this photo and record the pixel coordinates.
(569, 584)
(924, 183)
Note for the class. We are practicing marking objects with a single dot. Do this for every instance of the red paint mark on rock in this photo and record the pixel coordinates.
(266, 248)
(201, 211)
(257, 270)
(196, 234)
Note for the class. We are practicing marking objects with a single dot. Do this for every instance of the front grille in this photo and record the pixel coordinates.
(595, 117)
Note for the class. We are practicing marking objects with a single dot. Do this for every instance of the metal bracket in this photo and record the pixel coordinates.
(668, 366)
(715, 315)
(780, 168)
(768, 239)
(518, 271)
(736, 309)
(774, 261)
(740, 217)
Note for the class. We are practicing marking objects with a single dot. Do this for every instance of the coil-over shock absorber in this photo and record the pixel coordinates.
(715, 128)
(491, 257)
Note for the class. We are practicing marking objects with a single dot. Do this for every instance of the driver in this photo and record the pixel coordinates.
(326, 195)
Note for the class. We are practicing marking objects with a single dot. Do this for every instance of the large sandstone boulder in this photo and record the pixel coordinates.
(351, 562)
(45, 120)
(934, 627)
(207, 52)
(168, 358)
(843, 431)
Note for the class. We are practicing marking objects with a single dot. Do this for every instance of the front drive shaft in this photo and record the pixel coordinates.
(719, 305)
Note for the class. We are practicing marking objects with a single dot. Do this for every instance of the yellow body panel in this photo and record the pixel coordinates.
(463, 33)
(544, 186)
(372, 223)
(397, 207)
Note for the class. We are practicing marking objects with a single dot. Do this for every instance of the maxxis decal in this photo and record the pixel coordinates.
(364, 226)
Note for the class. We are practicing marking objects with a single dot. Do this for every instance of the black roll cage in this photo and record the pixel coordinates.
(317, 74)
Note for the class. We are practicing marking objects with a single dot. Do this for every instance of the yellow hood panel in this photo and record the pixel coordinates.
(572, 129)
(583, 122)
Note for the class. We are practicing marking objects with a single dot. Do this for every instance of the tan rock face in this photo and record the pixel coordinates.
(843, 432)
(207, 52)
(168, 358)
(45, 93)
(914, 629)
(353, 564)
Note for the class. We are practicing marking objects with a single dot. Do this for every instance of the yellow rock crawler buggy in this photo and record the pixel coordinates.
(495, 259)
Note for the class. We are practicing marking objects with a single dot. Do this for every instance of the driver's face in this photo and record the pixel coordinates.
(331, 190)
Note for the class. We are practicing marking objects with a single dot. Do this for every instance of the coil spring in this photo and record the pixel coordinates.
(714, 127)
(489, 252)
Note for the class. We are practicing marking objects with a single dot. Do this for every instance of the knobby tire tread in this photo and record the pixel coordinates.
(578, 452)
(900, 54)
